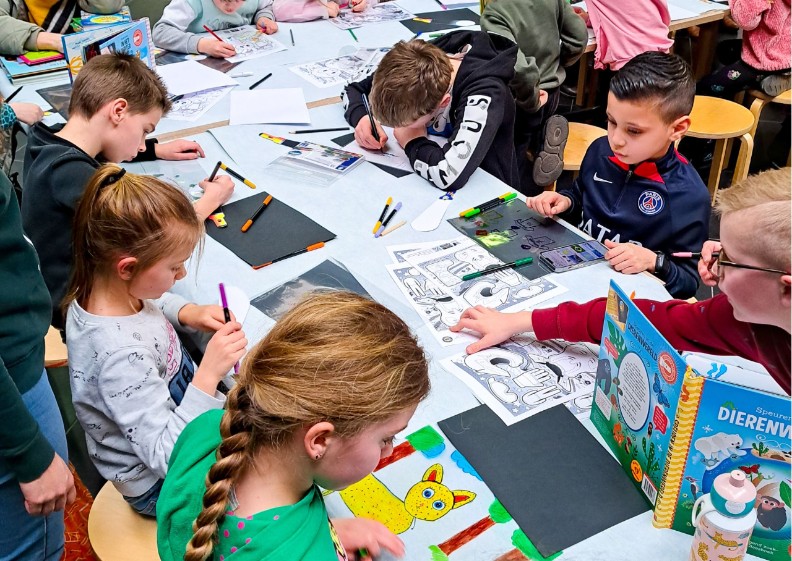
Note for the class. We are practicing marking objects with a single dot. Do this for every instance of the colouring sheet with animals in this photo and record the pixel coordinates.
(674, 429)
(192, 106)
(249, 42)
(524, 376)
(378, 13)
(340, 70)
(428, 494)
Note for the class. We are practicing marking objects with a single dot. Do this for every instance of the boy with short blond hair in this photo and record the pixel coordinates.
(115, 103)
(635, 193)
(455, 86)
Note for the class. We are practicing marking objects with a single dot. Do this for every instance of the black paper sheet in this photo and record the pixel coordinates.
(441, 20)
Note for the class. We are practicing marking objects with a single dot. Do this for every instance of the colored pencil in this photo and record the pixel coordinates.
(213, 34)
(256, 214)
(16, 91)
(392, 228)
(306, 131)
(257, 83)
(352, 33)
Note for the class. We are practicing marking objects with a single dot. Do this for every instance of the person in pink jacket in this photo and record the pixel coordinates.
(766, 51)
(309, 10)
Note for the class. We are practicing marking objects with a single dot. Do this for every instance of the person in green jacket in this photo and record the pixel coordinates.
(317, 403)
(35, 481)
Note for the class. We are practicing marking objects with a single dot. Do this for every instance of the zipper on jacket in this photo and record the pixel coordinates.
(623, 188)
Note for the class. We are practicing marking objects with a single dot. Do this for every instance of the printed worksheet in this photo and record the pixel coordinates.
(340, 70)
(192, 106)
(249, 42)
(391, 155)
(377, 13)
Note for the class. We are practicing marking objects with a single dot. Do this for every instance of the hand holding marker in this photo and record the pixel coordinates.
(226, 314)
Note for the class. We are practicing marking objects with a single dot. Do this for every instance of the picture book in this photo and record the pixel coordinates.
(675, 426)
(88, 20)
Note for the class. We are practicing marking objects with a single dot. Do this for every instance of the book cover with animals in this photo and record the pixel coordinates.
(676, 425)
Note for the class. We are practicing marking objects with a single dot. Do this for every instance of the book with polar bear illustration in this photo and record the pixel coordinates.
(676, 423)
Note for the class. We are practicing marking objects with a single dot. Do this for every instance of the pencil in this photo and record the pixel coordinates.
(256, 214)
(226, 314)
(291, 34)
(228, 170)
(306, 131)
(392, 228)
(257, 83)
(352, 33)
(213, 34)
(16, 91)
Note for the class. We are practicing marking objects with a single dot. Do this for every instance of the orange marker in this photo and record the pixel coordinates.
(256, 214)
(298, 252)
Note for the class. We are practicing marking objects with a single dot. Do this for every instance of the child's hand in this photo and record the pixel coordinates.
(549, 203)
(363, 533)
(706, 260)
(359, 6)
(629, 258)
(28, 113)
(223, 351)
(405, 134)
(216, 193)
(214, 48)
(203, 318)
(333, 9)
(364, 137)
(46, 41)
(543, 95)
(494, 326)
(267, 26)
(179, 150)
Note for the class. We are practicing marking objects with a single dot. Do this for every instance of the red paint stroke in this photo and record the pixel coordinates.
(399, 452)
(513, 555)
(463, 537)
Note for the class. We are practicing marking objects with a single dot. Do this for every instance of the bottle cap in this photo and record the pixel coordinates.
(732, 494)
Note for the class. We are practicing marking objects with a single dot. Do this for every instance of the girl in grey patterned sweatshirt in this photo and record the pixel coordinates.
(133, 384)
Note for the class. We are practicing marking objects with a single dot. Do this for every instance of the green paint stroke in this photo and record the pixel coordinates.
(425, 439)
(437, 553)
(498, 513)
(521, 542)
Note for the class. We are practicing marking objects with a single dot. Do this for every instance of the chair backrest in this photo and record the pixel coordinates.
(151, 9)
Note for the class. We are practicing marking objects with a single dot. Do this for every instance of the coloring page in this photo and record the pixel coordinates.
(377, 13)
(428, 494)
(340, 70)
(391, 155)
(438, 309)
(192, 106)
(249, 43)
(397, 252)
(502, 290)
(523, 376)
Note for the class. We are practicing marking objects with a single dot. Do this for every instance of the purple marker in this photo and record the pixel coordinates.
(388, 219)
(226, 314)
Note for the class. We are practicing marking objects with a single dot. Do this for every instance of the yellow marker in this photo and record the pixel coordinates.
(423, 20)
(247, 182)
(382, 216)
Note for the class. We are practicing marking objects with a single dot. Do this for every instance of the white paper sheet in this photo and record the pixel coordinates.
(274, 106)
(392, 155)
(188, 77)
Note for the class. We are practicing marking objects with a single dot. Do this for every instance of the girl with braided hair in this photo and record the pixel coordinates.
(317, 404)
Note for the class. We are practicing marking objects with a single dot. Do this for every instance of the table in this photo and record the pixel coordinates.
(348, 208)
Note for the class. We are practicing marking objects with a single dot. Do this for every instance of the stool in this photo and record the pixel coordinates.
(581, 136)
(117, 532)
(55, 355)
(723, 120)
(762, 99)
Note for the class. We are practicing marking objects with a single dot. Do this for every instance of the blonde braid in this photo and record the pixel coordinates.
(233, 454)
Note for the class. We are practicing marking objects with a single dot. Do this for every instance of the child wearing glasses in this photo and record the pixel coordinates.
(182, 26)
(751, 316)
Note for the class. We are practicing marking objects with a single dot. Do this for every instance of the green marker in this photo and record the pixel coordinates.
(362, 553)
(488, 205)
(488, 270)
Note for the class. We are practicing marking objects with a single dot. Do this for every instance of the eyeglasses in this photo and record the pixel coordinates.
(719, 260)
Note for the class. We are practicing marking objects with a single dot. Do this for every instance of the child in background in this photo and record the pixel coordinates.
(317, 403)
(115, 103)
(750, 318)
(635, 192)
(183, 21)
(309, 10)
(455, 86)
(133, 385)
(550, 37)
(766, 51)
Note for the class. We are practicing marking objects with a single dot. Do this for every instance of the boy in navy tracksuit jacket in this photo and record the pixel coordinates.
(635, 192)
(456, 86)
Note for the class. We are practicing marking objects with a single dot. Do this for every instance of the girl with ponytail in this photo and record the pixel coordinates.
(317, 404)
(133, 385)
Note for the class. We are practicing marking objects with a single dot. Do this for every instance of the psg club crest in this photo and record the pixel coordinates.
(650, 202)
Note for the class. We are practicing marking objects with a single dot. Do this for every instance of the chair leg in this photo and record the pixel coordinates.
(582, 79)
(743, 158)
(756, 109)
(718, 157)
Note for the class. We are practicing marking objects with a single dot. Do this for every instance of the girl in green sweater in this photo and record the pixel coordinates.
(317, 403)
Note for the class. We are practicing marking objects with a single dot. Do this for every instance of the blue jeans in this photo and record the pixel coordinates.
(146, 504)
(25, 537)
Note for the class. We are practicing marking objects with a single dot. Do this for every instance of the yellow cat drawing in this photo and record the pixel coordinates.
(427, 500)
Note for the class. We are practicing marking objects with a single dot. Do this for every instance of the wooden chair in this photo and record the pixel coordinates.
(760, 100)
(117, 532)
(580, 138)
(55, 355)
(723, 121)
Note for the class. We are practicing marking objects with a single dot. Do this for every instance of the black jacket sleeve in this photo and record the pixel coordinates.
(353, 100)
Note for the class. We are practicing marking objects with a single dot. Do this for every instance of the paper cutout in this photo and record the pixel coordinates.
(431, 218)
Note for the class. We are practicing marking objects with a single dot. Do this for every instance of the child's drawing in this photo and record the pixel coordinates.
(523, 376)
(250, 43)
(377, 13)
(192, 107)
(341, 70)
(427, 500)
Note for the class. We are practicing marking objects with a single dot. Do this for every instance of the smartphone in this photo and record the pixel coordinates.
(568, 257)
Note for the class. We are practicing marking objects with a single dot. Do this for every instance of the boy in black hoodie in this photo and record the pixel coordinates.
(456, 86)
